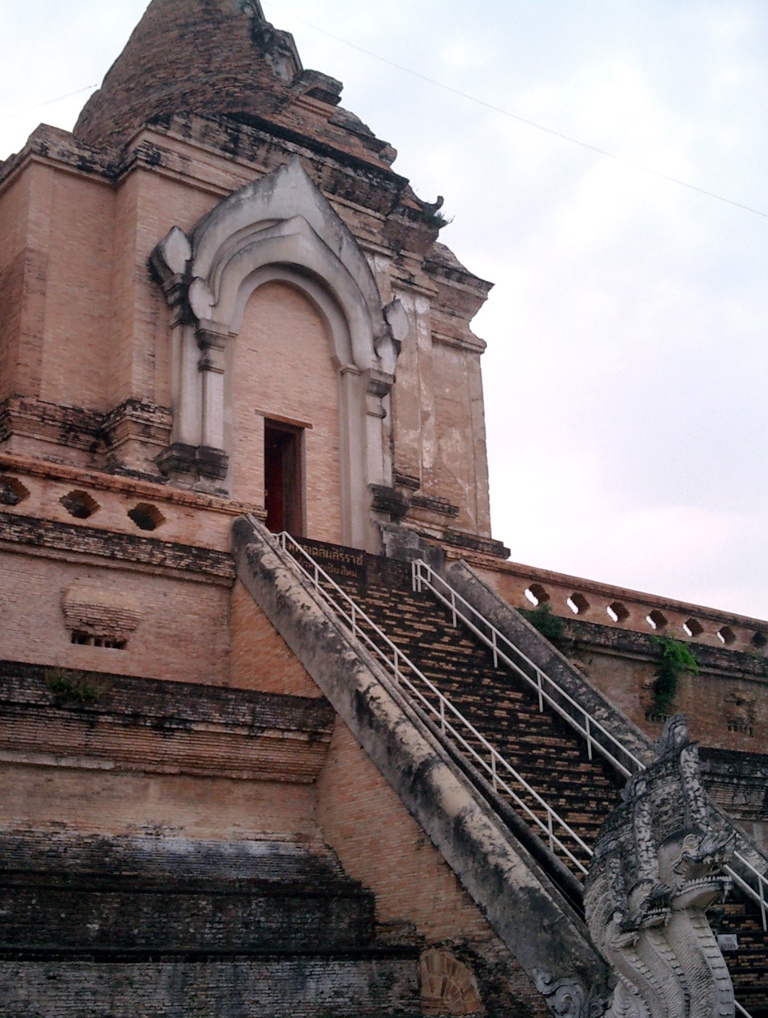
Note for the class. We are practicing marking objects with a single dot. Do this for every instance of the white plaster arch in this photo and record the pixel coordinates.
(333, 316)
(278, 228)
(220, 300)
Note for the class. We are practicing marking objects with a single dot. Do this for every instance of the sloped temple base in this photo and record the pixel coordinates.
(529, 913)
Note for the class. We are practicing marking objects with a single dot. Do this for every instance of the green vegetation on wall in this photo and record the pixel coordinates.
(676, 659)
(73, 687)
(551, 626)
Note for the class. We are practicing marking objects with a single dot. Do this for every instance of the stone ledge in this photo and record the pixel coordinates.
(25, 531)
(120, 483)
(628, 642)
(55, 715)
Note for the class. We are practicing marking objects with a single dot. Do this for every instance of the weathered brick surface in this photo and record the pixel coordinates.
(79, 258)
(130, 892)
(725, 702)
(17, 529)
(64, 795)
(541, 747)
(232, 988)
(260, 658)
(548, 754)
(738, 782)
(748, 964)
(188, 518)
(208, 58)
(148, 894)
(182, 633)
(379, 843)
(150, 726)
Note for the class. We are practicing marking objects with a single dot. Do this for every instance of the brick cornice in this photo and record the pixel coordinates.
(151, 725)
(118, 548)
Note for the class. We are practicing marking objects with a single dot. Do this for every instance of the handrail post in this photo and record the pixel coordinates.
(424, 576)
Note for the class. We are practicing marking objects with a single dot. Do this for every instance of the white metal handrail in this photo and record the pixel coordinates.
(547, 689)
(451, 720)
(761, 894)
(425, 576)
(287, 543)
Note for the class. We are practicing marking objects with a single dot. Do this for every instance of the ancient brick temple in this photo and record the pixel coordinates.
(336, 775)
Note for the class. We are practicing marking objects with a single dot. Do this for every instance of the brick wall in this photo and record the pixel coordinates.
(12, 266)
(283, 369)
(78, 292)
(609, 634)
(260, 658)
(238, 988)
(182, 633)
(94, 801)
(380, 844)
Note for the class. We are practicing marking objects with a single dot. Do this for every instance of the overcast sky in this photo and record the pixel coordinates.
(627, 361)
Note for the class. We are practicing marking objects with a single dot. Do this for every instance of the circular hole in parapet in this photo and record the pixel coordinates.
(578, 604)
(79, 504)
(657, 620)
(536, 594)
(617, 611)
(726, 635)
(146, 516)
(759, 640)
(692, 627)
(12, 491)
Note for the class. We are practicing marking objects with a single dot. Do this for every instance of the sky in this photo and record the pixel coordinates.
(627, 364)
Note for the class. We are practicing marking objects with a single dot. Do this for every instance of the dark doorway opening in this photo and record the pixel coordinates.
(283, 495)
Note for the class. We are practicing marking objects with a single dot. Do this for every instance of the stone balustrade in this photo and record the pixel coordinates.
(573, 597)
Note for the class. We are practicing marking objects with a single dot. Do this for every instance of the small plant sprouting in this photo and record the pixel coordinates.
(676, 659)
(73, 687)
(436, 219)
(551, 626)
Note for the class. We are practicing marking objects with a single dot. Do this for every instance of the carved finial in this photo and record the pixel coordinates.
(674, 735)
(252, 8)
(430, 207)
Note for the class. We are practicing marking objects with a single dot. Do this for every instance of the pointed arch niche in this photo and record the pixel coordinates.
(279, 230)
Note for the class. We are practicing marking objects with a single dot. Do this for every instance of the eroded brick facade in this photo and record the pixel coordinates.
(219, 249)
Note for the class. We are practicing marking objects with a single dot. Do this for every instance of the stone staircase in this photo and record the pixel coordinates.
(526, 902)
(541, 746)
(502, 708)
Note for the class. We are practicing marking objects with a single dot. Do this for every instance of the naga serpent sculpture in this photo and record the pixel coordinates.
(658, 866)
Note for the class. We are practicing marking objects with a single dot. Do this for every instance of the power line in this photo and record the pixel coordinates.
(532, 123)
(47, 102)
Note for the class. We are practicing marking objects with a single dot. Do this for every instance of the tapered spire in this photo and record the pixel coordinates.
(209, 57)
